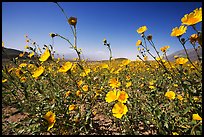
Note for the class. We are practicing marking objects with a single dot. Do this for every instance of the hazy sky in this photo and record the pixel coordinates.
(115, 21)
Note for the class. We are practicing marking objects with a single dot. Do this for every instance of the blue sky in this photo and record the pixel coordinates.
(115, 21)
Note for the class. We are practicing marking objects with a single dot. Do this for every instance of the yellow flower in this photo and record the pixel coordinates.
(45, 55)
(22, 65)
(85, 88)
(181, 61)
(122, 96)
(192, 18)
(163, 49)
(111, 96)
(23, 79)
(94, 112)
(152, 82)
(83, 74)
(119, 109)
(180, 97)
(152, 87)
(87, 71)
(72, 107)
(196, 117)
(139, 42)
(58, 60)
(31, 54)
(128, 84)
(195, 98)
(79, 83)
(72, 21)
(198, 12)
(10, 70)
(78, 93)
(67, 93)
(50, 117)
(18, 72)
(176, 57)
(31, 66)
(128, 77)
(26, 47)
(170, 95)
(38, 72)
(175, 133)
(114, 83)
(21, 54)
(141, 29)
(118, 71)
(5, 80)
(145, 58)
(125, 62)
(176, 32)
(67, 66)
(104, 65)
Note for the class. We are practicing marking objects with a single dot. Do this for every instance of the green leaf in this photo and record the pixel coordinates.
(198, 133)
(193, 122)
(186, 110)
(52, 106)
(166, 124)
(4, 93)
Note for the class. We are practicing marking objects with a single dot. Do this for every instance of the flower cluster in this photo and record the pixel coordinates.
(50, 117)
(119, 108)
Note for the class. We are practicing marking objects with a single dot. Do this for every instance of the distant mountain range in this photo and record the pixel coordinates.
(191, 53)
(8, 53)
(12, 53)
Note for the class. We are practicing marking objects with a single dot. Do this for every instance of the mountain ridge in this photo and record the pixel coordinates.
(13, 53)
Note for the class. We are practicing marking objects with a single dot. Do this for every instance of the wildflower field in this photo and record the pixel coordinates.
(114, 97)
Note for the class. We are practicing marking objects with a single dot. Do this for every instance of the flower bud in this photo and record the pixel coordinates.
(72, 21)
(53, 35)
(104, 41)
(149, 37)
(193, 38)
(183, 40)
(139, 42)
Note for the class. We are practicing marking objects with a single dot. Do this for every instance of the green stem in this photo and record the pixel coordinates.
(75, 44)
(65, 16)
(196, 52)
(183, 44)
(110, 54)
(169, 62)
(65, 39)
(195, 127)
